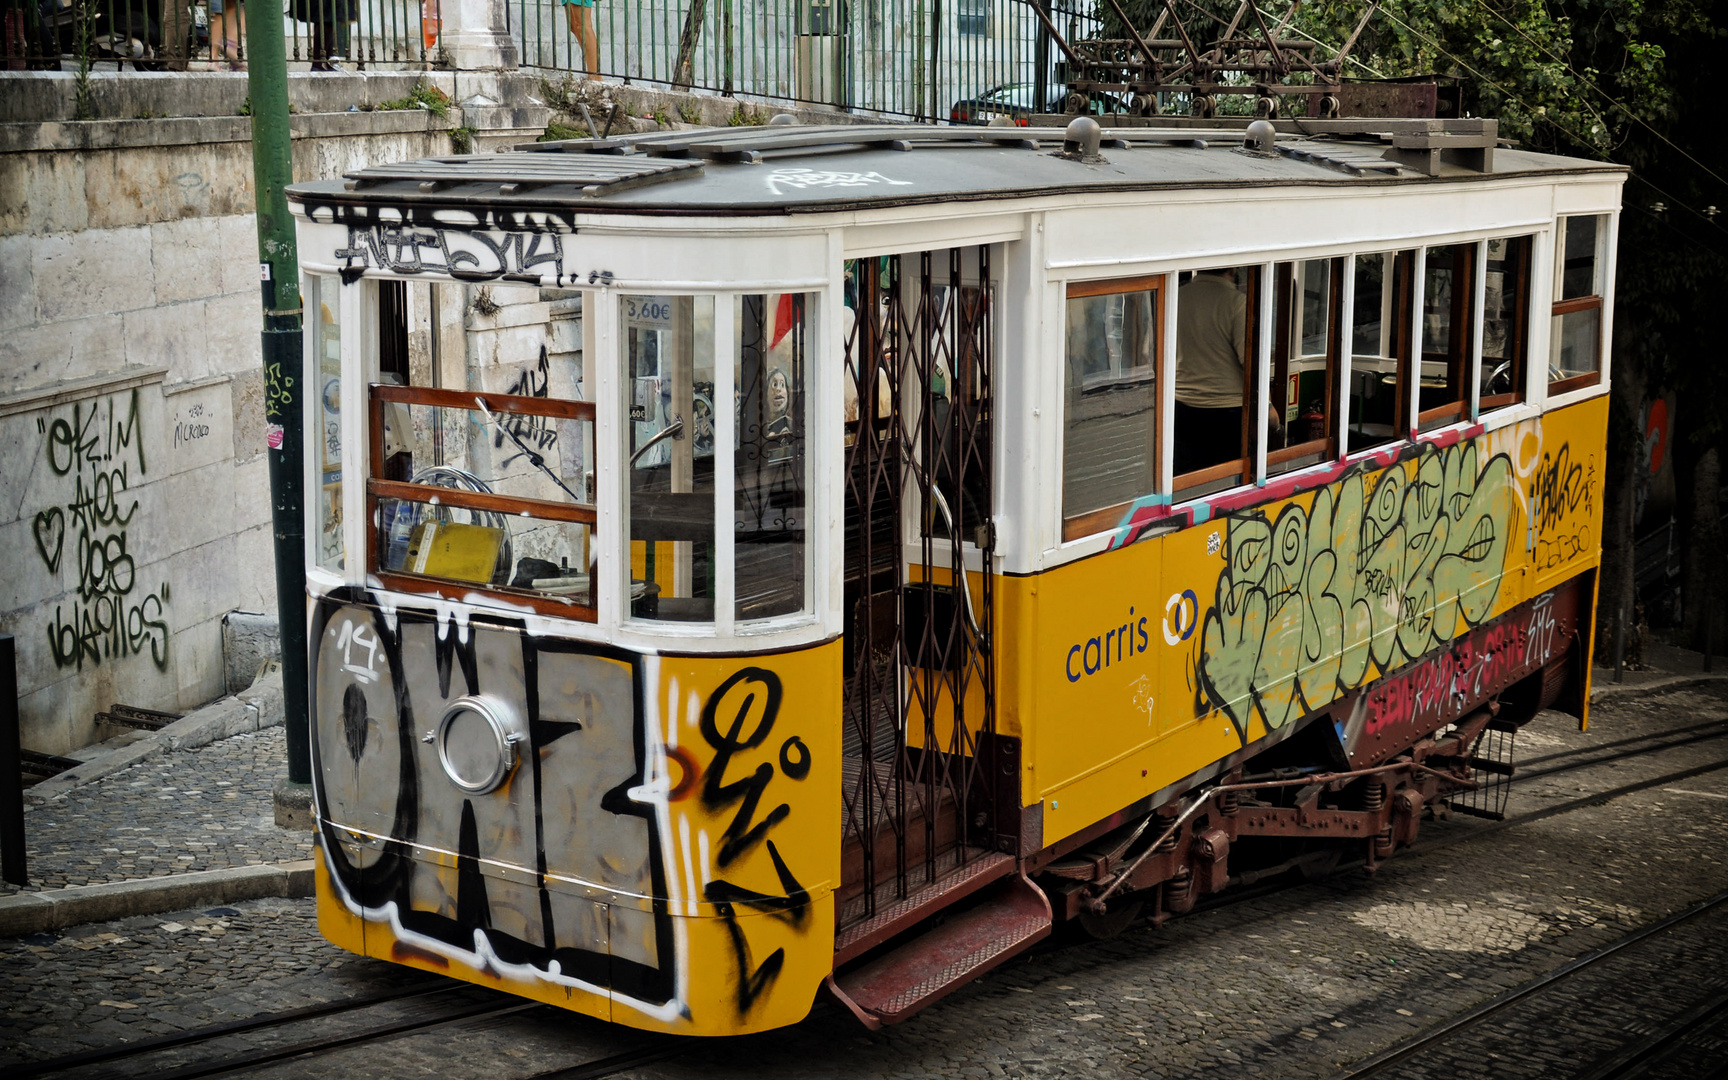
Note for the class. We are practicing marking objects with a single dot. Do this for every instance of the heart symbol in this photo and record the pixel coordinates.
(50, 530)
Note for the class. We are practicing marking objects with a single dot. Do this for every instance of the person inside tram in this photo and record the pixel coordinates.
(1211, 339)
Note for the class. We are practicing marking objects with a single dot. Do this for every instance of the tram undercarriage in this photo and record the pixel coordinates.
(1350, 782)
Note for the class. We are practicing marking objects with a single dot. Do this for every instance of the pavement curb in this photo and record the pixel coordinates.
(56, 909)
(1612, 692)
(253, 709)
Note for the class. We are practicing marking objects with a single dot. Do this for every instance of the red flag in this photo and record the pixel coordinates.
(784, 316)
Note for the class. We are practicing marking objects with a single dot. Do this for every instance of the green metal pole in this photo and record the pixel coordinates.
(279, 271)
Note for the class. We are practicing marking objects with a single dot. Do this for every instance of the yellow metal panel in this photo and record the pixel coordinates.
(1158, 658)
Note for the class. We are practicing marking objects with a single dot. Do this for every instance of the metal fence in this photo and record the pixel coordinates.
(920, 58)
(161, 35)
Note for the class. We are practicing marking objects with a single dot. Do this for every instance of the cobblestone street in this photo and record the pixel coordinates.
(200, 809)
(1293, 984)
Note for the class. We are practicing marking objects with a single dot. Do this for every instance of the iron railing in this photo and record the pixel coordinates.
(927, 59)
(164, 35)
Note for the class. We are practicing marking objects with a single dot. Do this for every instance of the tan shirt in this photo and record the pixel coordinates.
(1211, 335)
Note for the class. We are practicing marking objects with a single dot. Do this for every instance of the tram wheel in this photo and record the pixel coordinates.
(1107, 924)
(1318, 865)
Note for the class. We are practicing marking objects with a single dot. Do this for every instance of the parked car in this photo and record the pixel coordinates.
(1017, 100)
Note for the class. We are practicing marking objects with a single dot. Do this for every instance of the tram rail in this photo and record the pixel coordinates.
(1404, 1051)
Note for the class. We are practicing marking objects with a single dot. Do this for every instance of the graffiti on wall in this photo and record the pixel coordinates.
(1381, 568)
(95, 449)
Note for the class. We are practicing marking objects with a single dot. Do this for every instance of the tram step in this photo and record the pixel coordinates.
(927, 967)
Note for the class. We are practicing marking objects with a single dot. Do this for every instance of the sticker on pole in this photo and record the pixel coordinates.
(263, 271)
(273, 436)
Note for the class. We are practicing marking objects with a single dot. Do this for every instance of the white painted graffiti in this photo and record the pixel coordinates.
(799, 179)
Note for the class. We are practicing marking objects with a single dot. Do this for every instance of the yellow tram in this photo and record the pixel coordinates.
(730, 551)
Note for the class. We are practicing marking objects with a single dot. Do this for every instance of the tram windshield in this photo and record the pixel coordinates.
(481, 472)
(717, 455)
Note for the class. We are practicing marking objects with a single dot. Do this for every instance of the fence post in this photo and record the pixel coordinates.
(12, 866)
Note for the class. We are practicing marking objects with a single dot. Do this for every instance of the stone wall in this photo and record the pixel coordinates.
(134, 494)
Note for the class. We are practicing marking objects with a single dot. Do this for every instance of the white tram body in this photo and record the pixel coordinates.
(729, 549)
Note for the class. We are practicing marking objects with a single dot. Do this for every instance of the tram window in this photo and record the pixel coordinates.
(492, 495)
(1448, 292)
(770, 462)
(1380, 349)
(1215, 383)
(669, 369)
(323, 301)
(1109, 421)
(1505, 319)
(1575, 357)
(1305, 361)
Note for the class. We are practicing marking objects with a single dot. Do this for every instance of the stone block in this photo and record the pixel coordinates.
(32, 547)
(197, 652)
(56, 909)
(197, 421)
(186, 259)
(199, 577)
(246, 396)
(142, 185)
(254, 583)
(53, 352)
(252, 503)
(294, 806)
(17, 282)
(42, 193)
(235, 254)
(170, 336)
(232, 333)
(91, 272)
(181, 511)
(249, 639)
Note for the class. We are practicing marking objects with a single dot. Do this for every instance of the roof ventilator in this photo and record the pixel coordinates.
(1081, 140)
(1260, 140)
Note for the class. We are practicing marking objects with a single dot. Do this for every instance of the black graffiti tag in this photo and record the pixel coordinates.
(793, 904)
(746, 792)
(97, 447)
(527, 430)
(465, 255)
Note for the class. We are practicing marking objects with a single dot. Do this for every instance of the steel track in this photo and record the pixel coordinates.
(217, 1031)
(1402, 1052)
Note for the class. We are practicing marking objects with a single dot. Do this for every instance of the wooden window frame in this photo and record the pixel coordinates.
(1401, 342)
(1092, 522)
(377, 487)
(1462, 336)
(1241, 466)
(1520, 332)
(1284, 312)
(1588, 378)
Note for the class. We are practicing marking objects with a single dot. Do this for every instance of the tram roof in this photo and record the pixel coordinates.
(803, 169)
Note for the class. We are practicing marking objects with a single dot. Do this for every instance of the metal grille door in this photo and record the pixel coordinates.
(920, 684)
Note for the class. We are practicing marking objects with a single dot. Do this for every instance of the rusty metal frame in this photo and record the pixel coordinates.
(1145, 65)
(920, 460)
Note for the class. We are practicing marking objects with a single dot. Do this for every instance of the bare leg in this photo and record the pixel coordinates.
(582, 28)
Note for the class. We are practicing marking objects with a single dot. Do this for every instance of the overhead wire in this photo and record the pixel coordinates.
(1706, 218)
(1634, 117)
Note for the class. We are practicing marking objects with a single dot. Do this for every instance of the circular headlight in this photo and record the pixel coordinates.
(476, 740)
